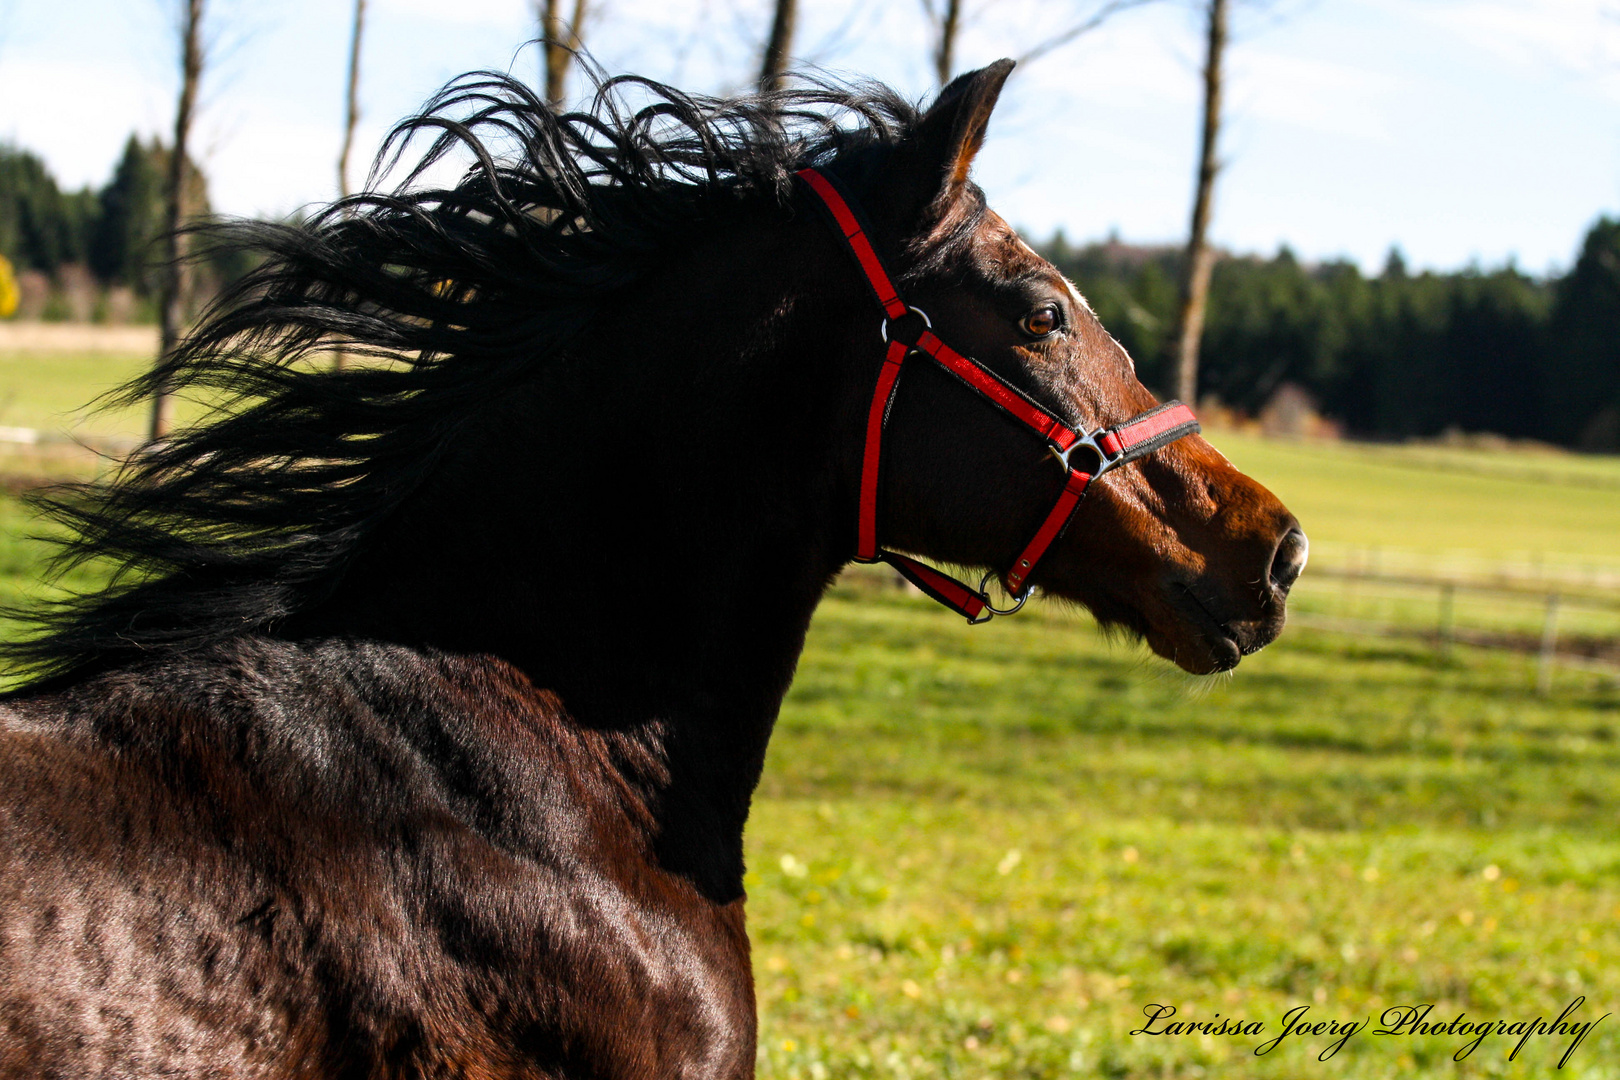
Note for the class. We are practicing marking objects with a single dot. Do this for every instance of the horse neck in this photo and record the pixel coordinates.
(644, 530)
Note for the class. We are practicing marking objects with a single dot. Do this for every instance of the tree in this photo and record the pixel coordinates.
(779, 46)
(41, 226)
(1200, 258)
(9, 293)
(560, 42)
(1583, 376)
(351, 111)
(131, 217)
(947, 16)
(1077, 29)
(177, 274)
(125, 245)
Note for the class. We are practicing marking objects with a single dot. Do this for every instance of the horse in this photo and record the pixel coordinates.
(415, 731)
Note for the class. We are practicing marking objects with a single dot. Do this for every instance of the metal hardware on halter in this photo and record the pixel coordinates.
(1088, 441)
(883, 328)
(984, 591)
(1138, 436)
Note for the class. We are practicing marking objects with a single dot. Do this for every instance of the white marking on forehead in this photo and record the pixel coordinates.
(1074, 293)
(1078, 298)
(1129, 359)
(1027, 249)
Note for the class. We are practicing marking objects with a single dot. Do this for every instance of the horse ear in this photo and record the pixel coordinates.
(947, 139)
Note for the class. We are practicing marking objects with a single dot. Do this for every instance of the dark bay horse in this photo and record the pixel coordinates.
(417, 732)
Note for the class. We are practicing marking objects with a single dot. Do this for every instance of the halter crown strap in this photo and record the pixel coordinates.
(1113, 447)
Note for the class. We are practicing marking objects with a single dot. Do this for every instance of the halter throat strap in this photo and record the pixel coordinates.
(1112, 447)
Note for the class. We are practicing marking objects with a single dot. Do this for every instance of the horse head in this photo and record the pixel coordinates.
(1178, 547)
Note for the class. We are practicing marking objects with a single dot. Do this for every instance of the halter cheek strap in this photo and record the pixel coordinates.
(1112, 447)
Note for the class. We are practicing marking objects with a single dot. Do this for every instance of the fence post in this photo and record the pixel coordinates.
(1448, 622)
(1549, 643)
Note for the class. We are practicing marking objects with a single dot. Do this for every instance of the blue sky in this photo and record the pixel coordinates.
(1461, 130)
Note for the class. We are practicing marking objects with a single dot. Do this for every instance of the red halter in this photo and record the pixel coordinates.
(1115, 446)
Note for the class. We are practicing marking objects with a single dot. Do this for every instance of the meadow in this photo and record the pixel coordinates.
(983, 852)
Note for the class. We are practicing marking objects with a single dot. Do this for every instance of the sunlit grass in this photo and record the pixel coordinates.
(1496, 504)
(50, 392)
(982, 852)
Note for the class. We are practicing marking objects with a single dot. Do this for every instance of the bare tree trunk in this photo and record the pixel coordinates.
(1200, 260)
(177, 274)
(950, 21)
(780, 45)
(351, 119)
(351, 115)
(561, 41)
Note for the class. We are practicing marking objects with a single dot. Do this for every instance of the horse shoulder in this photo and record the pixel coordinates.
(283, 857)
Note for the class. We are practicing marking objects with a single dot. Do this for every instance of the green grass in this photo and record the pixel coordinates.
(981, 852)
(49, 392)
(1489, 504)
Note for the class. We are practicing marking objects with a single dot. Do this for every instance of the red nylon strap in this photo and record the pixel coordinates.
(856, 237)
(1120, 444)
(947, 590)
(1056, 521)
(866, 544)
(982, 379)
(1146, 428)
(998, 390)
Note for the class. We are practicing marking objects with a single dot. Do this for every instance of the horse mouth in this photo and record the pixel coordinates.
(1200, 641)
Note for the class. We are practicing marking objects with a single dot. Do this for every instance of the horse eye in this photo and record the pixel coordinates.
(1042, 321)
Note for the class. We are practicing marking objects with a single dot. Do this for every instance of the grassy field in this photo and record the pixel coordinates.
(49, 392)
(982, 852)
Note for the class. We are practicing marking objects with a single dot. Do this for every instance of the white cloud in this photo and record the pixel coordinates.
(1319, 95)
(1569, 38)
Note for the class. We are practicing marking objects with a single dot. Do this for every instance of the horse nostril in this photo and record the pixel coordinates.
(1289, 559)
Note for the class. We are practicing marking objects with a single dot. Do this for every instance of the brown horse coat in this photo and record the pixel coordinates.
(420, 739)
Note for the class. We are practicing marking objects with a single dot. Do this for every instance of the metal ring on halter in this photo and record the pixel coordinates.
(883, 328)
(1089, 441)
(984, 591)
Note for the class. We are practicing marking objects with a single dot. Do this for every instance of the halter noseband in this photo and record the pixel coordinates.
(1115, 446)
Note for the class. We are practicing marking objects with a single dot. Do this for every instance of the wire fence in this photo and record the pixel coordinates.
(1565, 615)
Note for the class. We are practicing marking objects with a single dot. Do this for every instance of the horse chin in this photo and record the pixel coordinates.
(1197, 653)
(1199, 641)
(1176, 625)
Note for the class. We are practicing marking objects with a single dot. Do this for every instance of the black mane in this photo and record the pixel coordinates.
(450, 294)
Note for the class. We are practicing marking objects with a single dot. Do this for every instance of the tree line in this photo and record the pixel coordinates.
(1394, 355)
(112, 232)
(1391, 355)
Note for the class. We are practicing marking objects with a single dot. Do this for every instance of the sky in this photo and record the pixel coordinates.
(1462, 131)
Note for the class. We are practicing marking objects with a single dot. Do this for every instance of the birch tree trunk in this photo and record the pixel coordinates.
(177, 273)
(351, 112)
(561, 41)
(1200, 260)
(949, 22)
(779, 46)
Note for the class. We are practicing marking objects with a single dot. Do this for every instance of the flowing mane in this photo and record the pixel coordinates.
(417, 731)
(452, 294)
